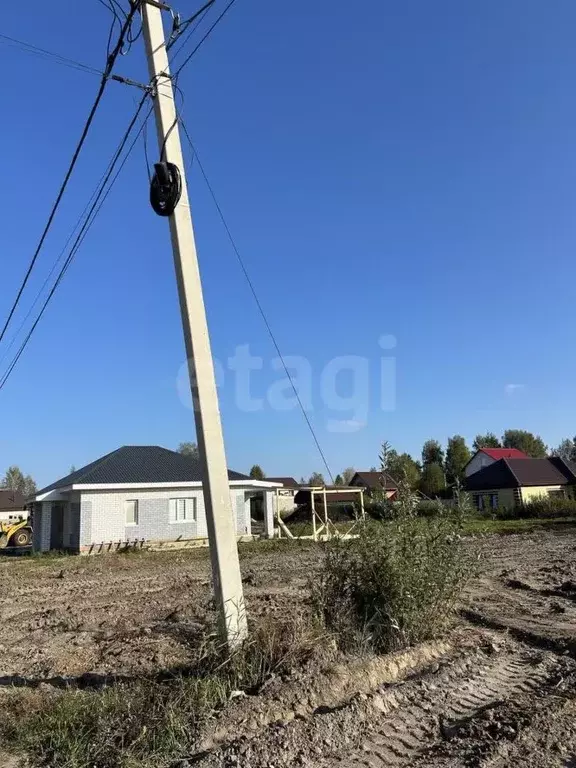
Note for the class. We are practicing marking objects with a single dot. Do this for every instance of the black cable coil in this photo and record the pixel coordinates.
(165, 188)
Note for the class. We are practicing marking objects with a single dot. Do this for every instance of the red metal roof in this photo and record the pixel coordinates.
(504, 453)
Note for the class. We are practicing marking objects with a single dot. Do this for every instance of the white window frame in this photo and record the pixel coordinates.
(190, 510)
(136, 511)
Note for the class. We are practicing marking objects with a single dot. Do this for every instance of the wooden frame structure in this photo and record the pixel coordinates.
(322, 527)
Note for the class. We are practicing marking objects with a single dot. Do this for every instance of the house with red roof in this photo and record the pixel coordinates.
(487, 456)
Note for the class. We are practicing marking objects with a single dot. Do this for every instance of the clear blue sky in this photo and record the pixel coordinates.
(386, 168)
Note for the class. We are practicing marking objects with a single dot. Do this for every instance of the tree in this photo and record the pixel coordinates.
(432, 479)
(316, 478)
(347, 475)
(432, 453)
(15, 480)
(72, 469)
(188, 449)
(532, 445)
(30, 487)
(566, 450)
(489, 440)
(402, 467)
(257, 473)
(339, 480)
(457, 456)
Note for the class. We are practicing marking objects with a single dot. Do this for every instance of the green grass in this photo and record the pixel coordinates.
(471, 526)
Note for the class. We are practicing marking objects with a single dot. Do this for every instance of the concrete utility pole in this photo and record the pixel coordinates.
(221, 521)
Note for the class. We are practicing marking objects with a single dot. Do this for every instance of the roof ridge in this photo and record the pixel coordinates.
(514, 475)
(97, 463)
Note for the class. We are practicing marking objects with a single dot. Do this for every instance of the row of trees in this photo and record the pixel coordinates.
(16, 480)
(438, 467)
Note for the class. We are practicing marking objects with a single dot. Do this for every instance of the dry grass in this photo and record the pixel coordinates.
(150, 723)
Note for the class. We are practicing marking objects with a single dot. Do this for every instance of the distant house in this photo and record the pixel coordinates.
(376, 481)
(12, 505)
(512, 482)
(486, 456)
(285, 495)
(138, 493)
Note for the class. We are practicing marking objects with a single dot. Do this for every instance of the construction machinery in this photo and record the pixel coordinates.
(15, 533)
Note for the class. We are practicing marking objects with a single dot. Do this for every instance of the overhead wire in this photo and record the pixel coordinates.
(98, 201)
(111, 59)
(256, 298)
(64, 249)
(44, 53)
(179, 30)
(202, 39)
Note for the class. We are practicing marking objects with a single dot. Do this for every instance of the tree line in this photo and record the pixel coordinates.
(439, 467)
(16, 480)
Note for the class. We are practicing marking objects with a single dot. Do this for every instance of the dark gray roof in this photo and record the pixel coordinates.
(287, 482)
(515, 473)
(138, 464)
(373, 480)
(11, 500)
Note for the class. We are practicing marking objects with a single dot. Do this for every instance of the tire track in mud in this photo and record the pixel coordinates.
(427, 716)
(400, 724)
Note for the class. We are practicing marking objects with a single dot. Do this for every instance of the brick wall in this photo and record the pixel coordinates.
(103, 516)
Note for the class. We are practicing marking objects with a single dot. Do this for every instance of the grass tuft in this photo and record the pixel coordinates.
(150, 723)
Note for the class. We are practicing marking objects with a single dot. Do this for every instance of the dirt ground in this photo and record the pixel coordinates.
(499, 690)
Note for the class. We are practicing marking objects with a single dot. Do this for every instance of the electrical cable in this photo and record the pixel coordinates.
(105, 77)
(191, 31)
(203, 39)
(182, 26)
(256, 299)
(95, 208)
(36, 50)
(64, 249)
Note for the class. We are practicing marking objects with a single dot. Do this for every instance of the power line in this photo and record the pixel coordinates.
(36, 50)
(64, 250)
(256, 299)
(95, 208)
(204, 38)
(105, 77)
(180, 27)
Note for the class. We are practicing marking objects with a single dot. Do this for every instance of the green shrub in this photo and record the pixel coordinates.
(427, 508)
(395, 584)
(546, 507)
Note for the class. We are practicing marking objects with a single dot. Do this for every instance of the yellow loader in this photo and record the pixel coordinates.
(15, 533)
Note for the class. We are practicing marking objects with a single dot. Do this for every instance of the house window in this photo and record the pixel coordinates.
(558, 493)
(131, 509)
(484, 501)
(182, 510)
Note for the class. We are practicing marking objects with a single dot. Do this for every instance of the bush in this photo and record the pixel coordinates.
(547, 507)
(396, 584)
(542, 507)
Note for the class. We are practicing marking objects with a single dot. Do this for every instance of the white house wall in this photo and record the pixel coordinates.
(478, 462)
(103, 516)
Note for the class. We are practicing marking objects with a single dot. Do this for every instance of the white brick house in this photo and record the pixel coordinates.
(133, 495)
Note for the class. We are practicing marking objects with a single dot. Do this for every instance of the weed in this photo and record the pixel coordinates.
(151, 723)
(397, 583)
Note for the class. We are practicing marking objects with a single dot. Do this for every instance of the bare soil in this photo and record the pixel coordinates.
(499, 690)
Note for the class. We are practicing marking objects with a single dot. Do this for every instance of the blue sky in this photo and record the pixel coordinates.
(402, 169)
